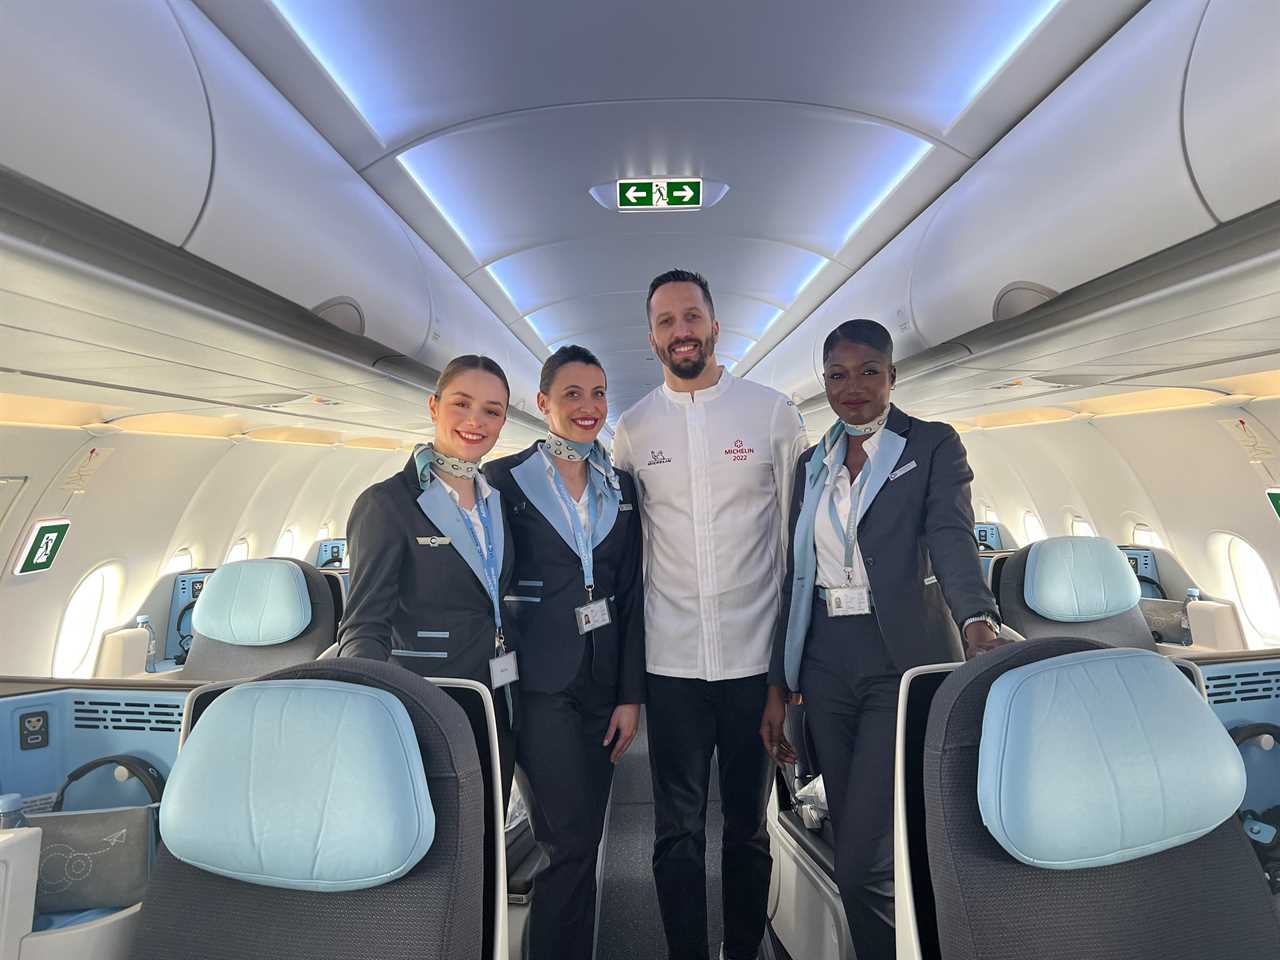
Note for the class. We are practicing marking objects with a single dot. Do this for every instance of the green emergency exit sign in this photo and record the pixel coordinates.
(660, 194)
(1273, 495)
(42, 546)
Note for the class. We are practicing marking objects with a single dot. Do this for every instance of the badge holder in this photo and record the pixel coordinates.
(502, 668)
(592, 615)
(848, 601)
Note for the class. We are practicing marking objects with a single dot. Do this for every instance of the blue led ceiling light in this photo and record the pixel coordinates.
(310, 36)
(1038, 14)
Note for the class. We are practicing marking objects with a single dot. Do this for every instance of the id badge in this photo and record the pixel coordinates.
(592, 615)
(848, 601)
(502, 670)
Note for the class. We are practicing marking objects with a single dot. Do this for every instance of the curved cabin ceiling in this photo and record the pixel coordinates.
(486, 124)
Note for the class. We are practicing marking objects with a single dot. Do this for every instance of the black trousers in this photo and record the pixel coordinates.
(688, 720)
(559, 748)
(850, 690)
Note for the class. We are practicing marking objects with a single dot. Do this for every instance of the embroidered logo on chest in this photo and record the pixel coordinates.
(656, 458)
(739, 452)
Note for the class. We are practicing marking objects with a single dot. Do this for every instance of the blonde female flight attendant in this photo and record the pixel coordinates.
(578, 603)
(431, 553)
(883, 576)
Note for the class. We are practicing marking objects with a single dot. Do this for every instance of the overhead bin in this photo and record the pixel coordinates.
(879, 291)
(1093, 179)
(103, 102)
(462, 323)
(287, 212)
(1232, 106)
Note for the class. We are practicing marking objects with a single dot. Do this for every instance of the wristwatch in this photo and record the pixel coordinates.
(986, 618)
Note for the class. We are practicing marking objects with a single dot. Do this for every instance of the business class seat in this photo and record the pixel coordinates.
(254, 616)
(329, 810)
(1080, 802)
(1073, 587)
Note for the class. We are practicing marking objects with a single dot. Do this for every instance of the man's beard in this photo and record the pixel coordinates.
(691, 366)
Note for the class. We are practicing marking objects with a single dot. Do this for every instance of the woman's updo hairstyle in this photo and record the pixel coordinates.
(470, 361)
(866, 332)
(567, 354)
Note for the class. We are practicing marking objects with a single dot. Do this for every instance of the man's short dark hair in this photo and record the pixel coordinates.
(866, 332)
(681, 276)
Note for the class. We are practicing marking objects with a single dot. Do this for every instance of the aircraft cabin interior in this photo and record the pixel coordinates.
(240, 240)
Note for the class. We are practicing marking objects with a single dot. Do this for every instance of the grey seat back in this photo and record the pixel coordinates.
(1072, 586)
(432, 911)
(255, 616)
(1191, 901)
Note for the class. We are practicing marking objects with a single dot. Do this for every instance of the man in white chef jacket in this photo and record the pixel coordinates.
(713, 459)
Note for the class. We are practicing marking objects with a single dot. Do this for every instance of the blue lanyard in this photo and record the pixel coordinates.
(849, 532)
(580, 536)
(488, 556)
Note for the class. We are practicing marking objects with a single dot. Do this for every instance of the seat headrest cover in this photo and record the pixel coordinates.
(253, 603)
(1101, 757)
(300, 784)
(1079, 580)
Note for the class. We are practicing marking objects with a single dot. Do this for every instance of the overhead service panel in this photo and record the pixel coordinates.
(103, 102)
(1093, 179)
(287, 212)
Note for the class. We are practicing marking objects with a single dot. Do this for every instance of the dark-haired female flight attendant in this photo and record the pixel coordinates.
(579, 606)
(431, 557)
(883, 576)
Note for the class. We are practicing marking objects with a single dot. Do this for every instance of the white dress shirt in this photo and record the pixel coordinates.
(828, 542)
(714, 471)
(482, 491)
(580, 504)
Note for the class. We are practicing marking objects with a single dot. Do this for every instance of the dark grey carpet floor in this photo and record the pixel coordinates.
(630, 926)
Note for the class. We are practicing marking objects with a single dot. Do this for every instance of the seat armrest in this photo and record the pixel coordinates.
(19, 867)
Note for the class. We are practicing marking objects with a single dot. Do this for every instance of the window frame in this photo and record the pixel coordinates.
(1268, 633)
(108, 597)
(1031, 515)
(190, 564)
(239, 541)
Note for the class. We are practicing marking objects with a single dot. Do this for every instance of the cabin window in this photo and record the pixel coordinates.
(1144, 536)
(990, 515)
(323, 532)
(286, 544)
(91, 610)
(239, 551)
(1255, 588)
(1032, 527)
(182, 560)
(1081, 527)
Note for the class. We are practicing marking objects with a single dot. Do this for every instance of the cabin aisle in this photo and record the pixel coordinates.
(630, 927)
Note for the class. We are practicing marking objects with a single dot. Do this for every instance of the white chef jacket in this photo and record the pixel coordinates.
(714, 471)
(828, 543)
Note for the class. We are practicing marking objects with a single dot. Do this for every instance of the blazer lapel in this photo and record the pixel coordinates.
(439, 508)
(494, 503)
(531, 477)
(882, 462)
(606, 515)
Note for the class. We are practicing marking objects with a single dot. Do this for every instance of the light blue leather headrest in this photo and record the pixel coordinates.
(253, 603)
(1101, 757)
(300, 784)
(1079, 579)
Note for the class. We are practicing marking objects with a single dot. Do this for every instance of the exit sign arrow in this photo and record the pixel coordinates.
(660, 193)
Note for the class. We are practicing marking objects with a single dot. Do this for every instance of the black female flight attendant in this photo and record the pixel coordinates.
(431, 556)
(883, 576)
(579, 606)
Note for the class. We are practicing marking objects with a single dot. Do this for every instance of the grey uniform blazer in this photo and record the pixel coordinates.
(415, 597)
(549, 586)
(918, 545)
